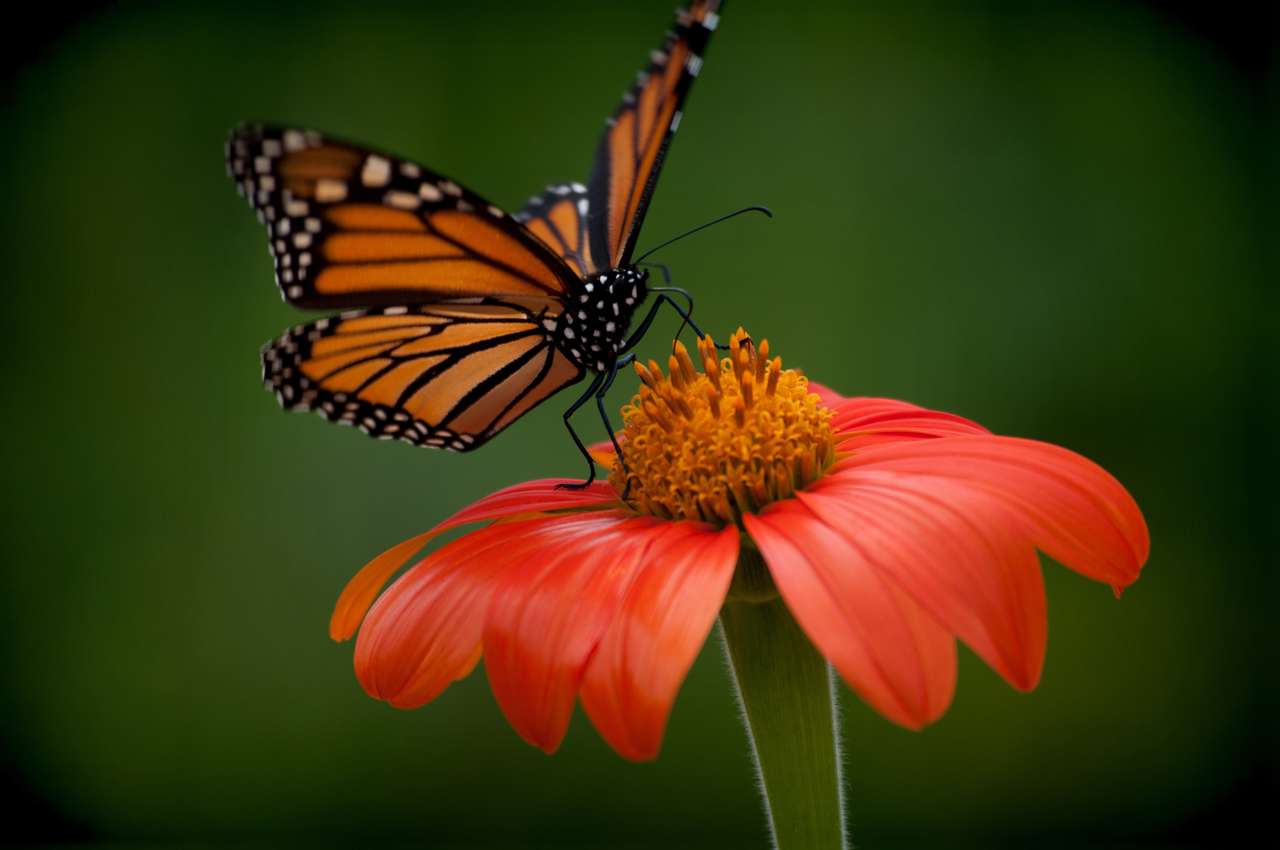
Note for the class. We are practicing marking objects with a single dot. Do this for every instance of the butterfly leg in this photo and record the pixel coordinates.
(624, 360)
(686, 316)
(568, 414)
(643, 327)
(662, 267)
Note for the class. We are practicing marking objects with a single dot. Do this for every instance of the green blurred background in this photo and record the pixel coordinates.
(1047, 218)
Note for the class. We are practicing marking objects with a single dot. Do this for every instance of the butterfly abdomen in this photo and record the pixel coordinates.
(592, 331)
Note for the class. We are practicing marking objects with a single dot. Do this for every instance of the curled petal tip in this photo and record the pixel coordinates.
(603, 453)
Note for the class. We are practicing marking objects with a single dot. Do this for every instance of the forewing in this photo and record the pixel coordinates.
(558, 217)
(636, 138)
(448, 375)
(352, 227)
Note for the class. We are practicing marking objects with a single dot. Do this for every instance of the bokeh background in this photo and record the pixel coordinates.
(1047, 217)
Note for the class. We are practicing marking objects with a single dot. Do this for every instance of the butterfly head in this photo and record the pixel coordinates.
(592, 331)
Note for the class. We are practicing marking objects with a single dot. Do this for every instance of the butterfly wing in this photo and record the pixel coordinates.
(352, 227)
(558, 217)
(449, 375)
(636, 138)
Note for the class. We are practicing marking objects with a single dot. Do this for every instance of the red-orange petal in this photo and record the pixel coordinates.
(603, 453)
(865, 421)
(527, 498)
(886, 648)
(424, 632)
(544, 495)
(1067, 505)
(363, 588)
(632, 680)
(549, 612)
(956, 553)
(829, 397)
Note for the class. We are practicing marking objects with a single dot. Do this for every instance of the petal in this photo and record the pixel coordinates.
(861, 422)
(603, 453)
(363, 588)
(829, 397)
(889, 651)
(424, 632)
(632, 680)
(956, 553)
(527, 498)
(549, 612)
(1066, 505)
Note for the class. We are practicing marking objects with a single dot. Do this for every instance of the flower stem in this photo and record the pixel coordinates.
(788, 698)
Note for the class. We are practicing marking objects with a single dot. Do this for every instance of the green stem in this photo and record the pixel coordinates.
(788, 698)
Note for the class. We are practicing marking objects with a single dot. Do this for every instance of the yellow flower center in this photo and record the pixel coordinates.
(715, 444)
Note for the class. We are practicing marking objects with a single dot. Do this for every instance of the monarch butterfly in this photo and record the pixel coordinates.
(459, 317)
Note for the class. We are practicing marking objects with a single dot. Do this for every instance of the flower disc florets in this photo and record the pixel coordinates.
(715, 444)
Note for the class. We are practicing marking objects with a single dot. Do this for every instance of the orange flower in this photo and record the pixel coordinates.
(889, 530)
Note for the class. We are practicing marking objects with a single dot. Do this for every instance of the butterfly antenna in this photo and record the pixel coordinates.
(662, 245)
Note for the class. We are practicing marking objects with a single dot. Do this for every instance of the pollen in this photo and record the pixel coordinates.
(718, 437)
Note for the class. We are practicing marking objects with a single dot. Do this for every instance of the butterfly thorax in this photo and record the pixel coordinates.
(592, 330)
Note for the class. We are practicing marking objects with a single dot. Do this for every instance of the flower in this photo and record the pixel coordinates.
(888, 529)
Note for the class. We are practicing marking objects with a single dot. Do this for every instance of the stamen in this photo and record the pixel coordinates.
(762, 360)
(677, 374)
(686, 364)
(651, 410)
(712, 367)
(645, 375)
(775, 370)
(689, 459)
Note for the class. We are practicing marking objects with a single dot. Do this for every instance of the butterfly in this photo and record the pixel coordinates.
(458, 318)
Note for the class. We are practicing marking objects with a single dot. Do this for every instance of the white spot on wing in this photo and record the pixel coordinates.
(376, 171)
(328, 191)
(402, 200)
